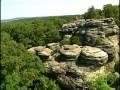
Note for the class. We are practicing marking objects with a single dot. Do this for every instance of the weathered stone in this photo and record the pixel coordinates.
(45, 53)
(70, 52)
(93, 56)
(74, 65)
(67, 37)
(72, 76)
(54, 46)
(39, 48)
(55, 67)
(32, 50)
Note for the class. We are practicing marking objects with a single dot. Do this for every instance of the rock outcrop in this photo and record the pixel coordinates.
(72, 66)
(100, 33)
(71, 72)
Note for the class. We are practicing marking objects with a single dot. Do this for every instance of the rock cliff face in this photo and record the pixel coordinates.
(100, 33)
(72, 66)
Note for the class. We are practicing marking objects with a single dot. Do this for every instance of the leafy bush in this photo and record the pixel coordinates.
(103, 83)
(111, 79)
(99, 84)
(65, 42)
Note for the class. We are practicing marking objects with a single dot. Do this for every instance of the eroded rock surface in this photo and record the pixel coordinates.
(93, 56)
(71, 72)
(42, 51)
(54, 46)
(100, 33)
(70, 52)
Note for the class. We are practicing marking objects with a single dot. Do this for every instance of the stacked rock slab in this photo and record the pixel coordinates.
(72, 75)
(70, 52)
(54, 46)
(100, 33)
(93, 56)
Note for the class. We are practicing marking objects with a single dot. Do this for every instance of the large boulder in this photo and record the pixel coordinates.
(70, 52)
(55, 67)
(93, 56)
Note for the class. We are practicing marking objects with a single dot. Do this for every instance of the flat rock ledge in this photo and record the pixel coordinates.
(70, 52)
(93, 56)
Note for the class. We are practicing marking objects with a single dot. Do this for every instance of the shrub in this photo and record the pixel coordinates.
(99, 84)
(65, 42)
(111, 79)
(75, 40)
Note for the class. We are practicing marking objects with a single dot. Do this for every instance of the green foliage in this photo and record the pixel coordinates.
(111, 78)
(65, 42)
(93, 13)
(108, 11)
(98, 40)
(45, 85)
(103, 83)
(75, 40)
(20, 69)
(36, 31)
(99, 84)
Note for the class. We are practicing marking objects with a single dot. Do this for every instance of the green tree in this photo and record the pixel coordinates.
(108, 10)
(91, 13)
(20, 69)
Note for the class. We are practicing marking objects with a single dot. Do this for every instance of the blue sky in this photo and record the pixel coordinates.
(35, 8)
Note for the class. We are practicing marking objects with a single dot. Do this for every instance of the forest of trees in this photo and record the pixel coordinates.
(108, 11)
(23, 71)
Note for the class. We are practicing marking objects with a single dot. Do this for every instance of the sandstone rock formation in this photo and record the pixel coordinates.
(72, 66)
(71, 73)
(70, 52)
(54, 46)
(44, 53)
(93, 56)
(100, 33)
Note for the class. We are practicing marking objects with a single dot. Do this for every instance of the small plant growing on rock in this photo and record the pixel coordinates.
(98, 40)
(65, 42)
(111, 78)
(75, 40)
(99, 84)
(103, 83)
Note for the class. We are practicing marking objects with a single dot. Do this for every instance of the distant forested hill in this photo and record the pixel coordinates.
(36, 31)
